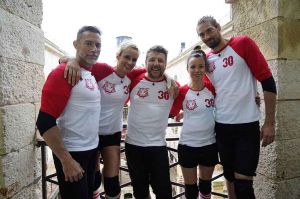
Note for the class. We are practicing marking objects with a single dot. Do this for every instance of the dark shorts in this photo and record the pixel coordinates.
(238, 146)
(109, 140)
(190, 157)
(82, 189)
(149, 166)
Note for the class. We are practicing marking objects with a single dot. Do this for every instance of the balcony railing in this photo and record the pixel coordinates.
(50, 178)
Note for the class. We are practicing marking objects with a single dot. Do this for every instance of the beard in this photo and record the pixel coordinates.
(213, 43)
(155, 75)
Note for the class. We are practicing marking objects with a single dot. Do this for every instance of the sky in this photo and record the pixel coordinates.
(155, 22)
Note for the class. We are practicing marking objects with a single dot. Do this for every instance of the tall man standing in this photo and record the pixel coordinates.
(69, 118)
(235, 67)
(145, 144)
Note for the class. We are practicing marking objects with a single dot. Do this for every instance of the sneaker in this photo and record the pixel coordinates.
(96, 194)
(207, 196)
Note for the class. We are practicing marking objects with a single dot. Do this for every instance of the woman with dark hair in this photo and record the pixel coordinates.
(197, 143)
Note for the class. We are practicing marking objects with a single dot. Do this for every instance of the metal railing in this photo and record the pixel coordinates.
(49, 178)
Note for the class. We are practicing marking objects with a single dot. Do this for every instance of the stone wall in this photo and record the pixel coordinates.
(21, 78)
(275, 26)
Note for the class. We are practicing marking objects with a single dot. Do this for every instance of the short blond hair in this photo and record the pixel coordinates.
(126, 45)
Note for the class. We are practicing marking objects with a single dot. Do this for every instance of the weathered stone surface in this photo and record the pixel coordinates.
(288, 189)
(288, 164)
(29, 10)
(277, 38)
(247, 14)
(20, 40)
(20, 82)
(18, 127)
(31, 192)
(266, 37)
(288, 120)
(264, 188)
(289, 9)
(288, 38)
(20, 169)
(267, 161)
(279, 161)
(268, 189)
(37, 109)
(287, 76)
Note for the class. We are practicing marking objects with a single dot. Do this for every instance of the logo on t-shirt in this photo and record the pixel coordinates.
(143, 92)
(109, 87)
(212, 66)
(191, 104)
(89, 84)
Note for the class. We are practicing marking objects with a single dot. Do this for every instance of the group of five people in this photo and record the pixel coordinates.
(220, 116)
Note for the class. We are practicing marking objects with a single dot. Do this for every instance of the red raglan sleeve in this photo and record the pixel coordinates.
(177, 104)
(101, 70)
(255, 59)
(209, 86)
(136, 72)
(55, 93)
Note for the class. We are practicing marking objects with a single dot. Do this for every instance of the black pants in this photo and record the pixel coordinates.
(238, 146)
(149, 166)
(82, 189)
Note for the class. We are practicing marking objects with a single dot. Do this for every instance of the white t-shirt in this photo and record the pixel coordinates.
(150, 105)
(198, 127)
(77, 108)
(234, 70)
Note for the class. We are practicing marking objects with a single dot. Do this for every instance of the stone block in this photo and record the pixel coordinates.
(280, 160)
(29, 10)
(264, 187)
(288, 120)
(286, 74)
(277, 38)
(20, 82)
(288, 162)
(20, 40)
(288, 38)
(267, 160)
(19, 169)
(18, 127)
(268, 189)
(34, 191)
(288, 189)
(266, 37)
(247, 14)
(289, 9)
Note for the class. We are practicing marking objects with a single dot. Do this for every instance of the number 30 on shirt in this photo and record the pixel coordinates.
(227, 61)
(209, 103)
(163, 95)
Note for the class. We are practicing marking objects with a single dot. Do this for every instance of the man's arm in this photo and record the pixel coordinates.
(46, 124)
(259, 67)
(72, 169)
(268, 129)
(72, 70)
